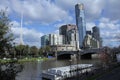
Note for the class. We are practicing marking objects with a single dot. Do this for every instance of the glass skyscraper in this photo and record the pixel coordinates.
(80, 22)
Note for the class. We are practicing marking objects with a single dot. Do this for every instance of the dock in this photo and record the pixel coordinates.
(60, 73)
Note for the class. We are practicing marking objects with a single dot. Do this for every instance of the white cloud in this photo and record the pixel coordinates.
(93, 9)
(89, 25)
(43, 11)
(112, 9)
(30, 36)
(62, 11)
(109, 30)
(106, 23)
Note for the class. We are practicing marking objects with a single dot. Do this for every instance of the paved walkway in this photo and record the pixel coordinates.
(113, 75)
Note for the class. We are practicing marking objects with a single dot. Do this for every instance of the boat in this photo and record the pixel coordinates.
(61, 73)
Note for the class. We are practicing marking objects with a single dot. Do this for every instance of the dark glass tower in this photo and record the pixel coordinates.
(96, 33)
(80, 22)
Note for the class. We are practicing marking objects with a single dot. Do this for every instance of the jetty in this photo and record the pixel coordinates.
(60, 73)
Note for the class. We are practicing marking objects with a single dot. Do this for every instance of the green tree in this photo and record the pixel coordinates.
(5, 33)
(20, 50)
(34, 51)
(8, 71)
(41, 50)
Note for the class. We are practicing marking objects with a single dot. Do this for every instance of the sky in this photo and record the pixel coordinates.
(41, 17)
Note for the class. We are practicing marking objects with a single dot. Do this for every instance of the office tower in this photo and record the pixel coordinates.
(44, 40)
(80, 22)
(55, 39)
(88, 32)
(90, 42)
(72, 36)
(64, 31)
(96, 33)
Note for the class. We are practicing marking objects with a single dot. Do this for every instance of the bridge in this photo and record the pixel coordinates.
(82, 53)
(88, 52)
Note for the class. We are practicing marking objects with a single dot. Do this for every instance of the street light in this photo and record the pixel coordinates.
(70, 68)
(77, 56)
(14, 49)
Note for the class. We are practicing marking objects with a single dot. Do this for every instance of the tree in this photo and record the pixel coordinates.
(5, 34)
(105, 56)
(34, 51)
(20, 50)
(41, 50)
(9, 70)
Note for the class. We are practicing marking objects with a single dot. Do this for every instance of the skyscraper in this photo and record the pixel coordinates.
(55, 39)
(64, 29)
(70, 34)
(44, 40)
(96, 33)
(80, 22)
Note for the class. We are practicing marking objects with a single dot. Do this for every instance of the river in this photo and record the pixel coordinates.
(32, 70)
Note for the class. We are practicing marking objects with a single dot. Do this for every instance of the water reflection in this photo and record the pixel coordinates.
(32, 70)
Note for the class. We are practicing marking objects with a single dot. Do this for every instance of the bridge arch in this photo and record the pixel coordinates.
(64, 55)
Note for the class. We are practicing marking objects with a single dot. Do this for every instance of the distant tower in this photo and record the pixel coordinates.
(21, 31)
(80, 22)
(96, 34)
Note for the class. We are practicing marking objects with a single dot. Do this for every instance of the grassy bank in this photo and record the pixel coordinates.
(7, 60)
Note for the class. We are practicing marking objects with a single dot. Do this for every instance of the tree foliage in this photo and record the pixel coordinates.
(34, 50)
(5, 33)
(9, 71)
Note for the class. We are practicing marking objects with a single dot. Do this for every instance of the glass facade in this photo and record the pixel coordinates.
(44, 40)
(80, 22)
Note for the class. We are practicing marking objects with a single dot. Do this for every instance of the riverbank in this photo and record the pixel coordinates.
(26, 59)
(101, 73)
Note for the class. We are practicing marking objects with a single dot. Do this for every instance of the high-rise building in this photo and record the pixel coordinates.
(73, 38)
(96, 35)
(70, 34)
(80, 22)
(55, 39)
(88, 32)
(63, 30)
(44, 40)
(90, 42)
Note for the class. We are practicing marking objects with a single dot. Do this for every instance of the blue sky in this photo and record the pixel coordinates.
(46, 16)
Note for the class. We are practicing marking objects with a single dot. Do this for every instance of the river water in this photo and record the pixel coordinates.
(32, 70)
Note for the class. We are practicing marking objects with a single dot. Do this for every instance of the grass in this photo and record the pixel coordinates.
(22, 60)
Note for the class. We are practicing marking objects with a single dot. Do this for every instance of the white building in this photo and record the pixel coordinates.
(90, 42)
(55, 39)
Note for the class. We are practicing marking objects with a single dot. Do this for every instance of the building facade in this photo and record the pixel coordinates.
(80, 22)
(90, 42)
(44, 40)
(64, 29)
(70, 35)
(55, 39)
(96, 34)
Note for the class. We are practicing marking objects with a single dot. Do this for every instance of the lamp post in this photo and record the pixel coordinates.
(77, 57)
(70, 68)
(14, 49)
(56, 50)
